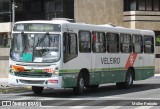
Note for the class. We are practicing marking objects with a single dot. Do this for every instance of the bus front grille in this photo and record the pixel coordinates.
(32, 81)
(34, 74)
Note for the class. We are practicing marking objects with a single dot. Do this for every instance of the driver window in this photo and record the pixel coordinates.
(69, 46)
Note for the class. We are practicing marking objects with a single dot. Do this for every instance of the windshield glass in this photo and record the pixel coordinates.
(35, 47)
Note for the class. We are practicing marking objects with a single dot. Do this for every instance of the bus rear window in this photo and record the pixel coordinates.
(37, 27)
(148, 44)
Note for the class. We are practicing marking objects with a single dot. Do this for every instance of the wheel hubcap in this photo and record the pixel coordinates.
(129, 79)
(81, 83)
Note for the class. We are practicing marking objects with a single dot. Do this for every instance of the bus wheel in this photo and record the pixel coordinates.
(128, 81)
(80, 85)
(37, 90)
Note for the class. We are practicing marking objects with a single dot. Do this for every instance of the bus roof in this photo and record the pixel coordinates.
(69, 24)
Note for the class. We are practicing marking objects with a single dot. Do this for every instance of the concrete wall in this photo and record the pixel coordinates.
(143, 19)
(4, 63)
(5, 27)
(99, 11)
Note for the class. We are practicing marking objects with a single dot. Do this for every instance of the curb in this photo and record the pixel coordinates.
(14, 89)
(156, 74)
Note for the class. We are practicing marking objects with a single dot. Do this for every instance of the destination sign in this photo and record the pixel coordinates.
(37, 27)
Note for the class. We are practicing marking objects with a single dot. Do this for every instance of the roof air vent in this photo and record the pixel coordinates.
(65, 19)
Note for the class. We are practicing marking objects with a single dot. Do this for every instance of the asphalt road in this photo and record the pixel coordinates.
(144, 94)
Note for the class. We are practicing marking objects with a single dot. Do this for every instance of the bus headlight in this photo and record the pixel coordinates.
(55, 71)
(50, 70)
(11, 70)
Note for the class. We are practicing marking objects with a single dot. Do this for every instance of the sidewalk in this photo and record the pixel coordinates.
(6, 88)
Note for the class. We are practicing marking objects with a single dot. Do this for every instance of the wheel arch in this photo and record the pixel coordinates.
(132, 71)
(85, 74)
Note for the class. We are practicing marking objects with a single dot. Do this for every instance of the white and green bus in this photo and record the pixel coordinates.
(64, 54)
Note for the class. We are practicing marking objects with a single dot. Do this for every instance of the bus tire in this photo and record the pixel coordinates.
(128, 81)
(37, 90)
(79, 89)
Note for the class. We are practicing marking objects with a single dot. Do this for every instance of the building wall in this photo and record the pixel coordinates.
(143, 19)
(5, 27)
(99, 11)
(4, 63)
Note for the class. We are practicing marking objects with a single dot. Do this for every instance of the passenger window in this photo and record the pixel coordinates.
(137, 44)
(84, 41)
(125, 43)
(69, 46)
(99, 42)
(112, 42)
(148, 44)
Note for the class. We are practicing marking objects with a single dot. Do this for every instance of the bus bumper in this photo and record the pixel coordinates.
(53, 82)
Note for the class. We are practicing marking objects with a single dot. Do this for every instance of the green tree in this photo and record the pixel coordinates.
(158, 40)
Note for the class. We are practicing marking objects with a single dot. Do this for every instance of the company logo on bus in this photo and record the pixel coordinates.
(131, 60)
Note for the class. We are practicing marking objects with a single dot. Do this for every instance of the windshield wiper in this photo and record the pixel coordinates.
(42, 39)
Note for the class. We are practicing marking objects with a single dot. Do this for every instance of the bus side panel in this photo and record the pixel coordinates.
(100, 68)
(124, 58)
(149, 66)
(105, 69)
(138, 65)
(138, 73)
(141, 74)
(119, 76)
(69, 79)
(106, 77)
(97, 79)
(92, 78)
(147, 70)
(71, 69)
(114, 64)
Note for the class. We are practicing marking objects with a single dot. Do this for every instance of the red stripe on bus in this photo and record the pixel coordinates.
(131, 60)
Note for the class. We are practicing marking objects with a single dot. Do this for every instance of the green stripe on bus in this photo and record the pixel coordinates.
(69, 71)
(103, 69)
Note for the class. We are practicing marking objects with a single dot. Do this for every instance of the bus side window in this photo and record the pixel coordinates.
(69, 46)
(125, 43)
(148, 44)
(137, 43)
(112, 42)
(99, 42)
(84, 41)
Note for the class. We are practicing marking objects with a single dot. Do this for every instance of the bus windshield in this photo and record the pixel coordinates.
(35, 47)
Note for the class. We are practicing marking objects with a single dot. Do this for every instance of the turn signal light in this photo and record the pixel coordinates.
(50, 70)
(17, 68)
(55, 71)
